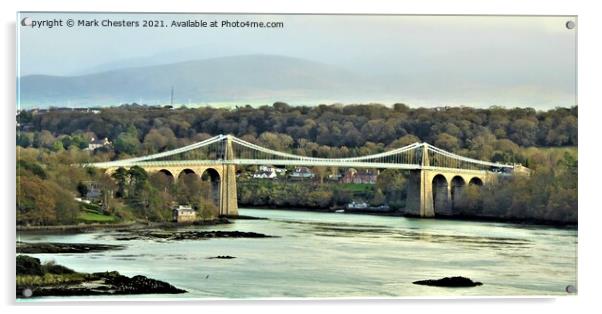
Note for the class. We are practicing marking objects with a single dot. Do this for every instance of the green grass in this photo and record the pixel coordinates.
(94, 217)
(91, 213)
(49, 279)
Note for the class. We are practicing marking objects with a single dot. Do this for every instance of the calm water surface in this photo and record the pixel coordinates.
(340, 255)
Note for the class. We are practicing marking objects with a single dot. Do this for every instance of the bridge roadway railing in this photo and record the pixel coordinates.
(274, 162)
(192, 163)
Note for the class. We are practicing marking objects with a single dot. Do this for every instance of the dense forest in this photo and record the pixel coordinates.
(51, 141)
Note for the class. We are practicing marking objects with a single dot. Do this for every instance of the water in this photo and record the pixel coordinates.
(341, 255)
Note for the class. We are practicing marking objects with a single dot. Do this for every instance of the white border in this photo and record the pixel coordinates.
(589, 96)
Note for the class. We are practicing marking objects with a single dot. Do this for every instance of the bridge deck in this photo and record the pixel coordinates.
(230, 150)
(192, 163)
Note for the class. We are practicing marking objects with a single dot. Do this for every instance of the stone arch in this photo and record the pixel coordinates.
(457, 191)
(440, 194)
(168, 174)
(186, 171)
(188, 186)
(162, 178)
(212, 176)
(476, 181)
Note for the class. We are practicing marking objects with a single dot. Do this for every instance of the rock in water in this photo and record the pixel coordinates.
(222, 257)
(137, 284)
(457, 281)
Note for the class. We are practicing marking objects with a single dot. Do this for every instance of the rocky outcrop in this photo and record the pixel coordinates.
(109, 283)
(35, 280)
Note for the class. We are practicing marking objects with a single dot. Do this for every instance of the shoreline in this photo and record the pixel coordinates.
(514, 221)
(79, 228)
(75, 228)
(129, 225)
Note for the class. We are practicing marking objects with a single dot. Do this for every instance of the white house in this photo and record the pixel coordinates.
(272, 169)
(264, 175)
(268, 172)
(184, 214)
(94, 144)
(301, 173)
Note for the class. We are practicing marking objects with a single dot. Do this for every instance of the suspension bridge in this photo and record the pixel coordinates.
(436, 182)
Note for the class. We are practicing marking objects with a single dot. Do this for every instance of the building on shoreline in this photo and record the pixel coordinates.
(184, 213)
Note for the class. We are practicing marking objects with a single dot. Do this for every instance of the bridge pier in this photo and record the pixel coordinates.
(228, 195)
(430, 192)
(419, 201)
(228, 199)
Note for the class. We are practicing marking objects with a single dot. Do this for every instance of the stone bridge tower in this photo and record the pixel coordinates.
(434, 191)
(228, 195)
(419, 201)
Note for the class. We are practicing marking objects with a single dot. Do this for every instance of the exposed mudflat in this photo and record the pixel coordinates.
(51, 247)
(175, 235)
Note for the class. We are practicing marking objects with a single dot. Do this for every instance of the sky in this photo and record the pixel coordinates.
(479, 61)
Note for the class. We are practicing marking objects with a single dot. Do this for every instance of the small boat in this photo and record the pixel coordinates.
(357, 205)
(339, 211)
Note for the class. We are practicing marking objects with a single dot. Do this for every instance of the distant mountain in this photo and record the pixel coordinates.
(238, 79)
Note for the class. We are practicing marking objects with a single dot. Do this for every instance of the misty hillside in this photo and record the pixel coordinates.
(227, 79)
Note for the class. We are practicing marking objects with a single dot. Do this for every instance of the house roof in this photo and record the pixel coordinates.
(302, 170)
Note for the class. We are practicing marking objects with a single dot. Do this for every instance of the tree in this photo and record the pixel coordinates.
(392, 183)
(378, 199)
(35, 202)
(57, 146)
(447, 142)
(65, 207)
(207, 209)
(121, 176)
(403, 141)
(66, 141)
(82, 189)
(161, 181)
(400, 107)
(320, 172)
(24, 139)
(138, 178)
(523, 132)
(43, 139)
(190, 188)
(126, 143)
(160, 139)
(32, 167)
(280, 142)
(107, 186)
